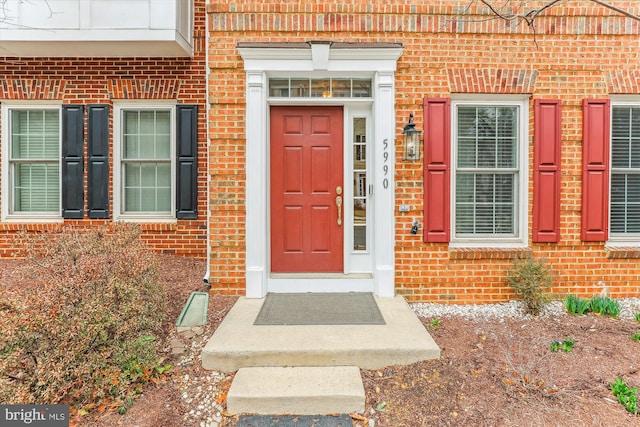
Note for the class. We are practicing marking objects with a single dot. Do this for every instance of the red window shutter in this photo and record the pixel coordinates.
(595, 169)
(546, 176)
(437, 143)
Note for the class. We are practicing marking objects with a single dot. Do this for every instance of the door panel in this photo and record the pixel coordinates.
(306, 168)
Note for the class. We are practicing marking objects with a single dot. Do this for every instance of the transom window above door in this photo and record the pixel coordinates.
(319, 88)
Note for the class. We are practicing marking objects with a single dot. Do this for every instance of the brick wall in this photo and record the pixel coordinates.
(578, 50)
(108, 80)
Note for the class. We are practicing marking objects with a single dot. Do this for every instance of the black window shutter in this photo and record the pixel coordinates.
(187, 160)
(98, 156)
(72, 161)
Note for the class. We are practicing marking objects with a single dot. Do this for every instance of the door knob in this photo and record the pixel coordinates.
(339, 205)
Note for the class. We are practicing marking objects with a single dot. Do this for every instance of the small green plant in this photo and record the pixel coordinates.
(575, 305)
(602, 305)
(605, 306)
(635, 337)
(531, 281)
(626, 395)
(637, 317)
(564, 345)
(434, 323)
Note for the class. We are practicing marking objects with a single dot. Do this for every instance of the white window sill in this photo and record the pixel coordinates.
(33, 220)
(146, 219)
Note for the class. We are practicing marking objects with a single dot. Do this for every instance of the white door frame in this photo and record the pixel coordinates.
(264, 59)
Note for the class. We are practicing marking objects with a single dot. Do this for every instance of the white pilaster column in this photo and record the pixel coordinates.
(384, 185)
(256, 185)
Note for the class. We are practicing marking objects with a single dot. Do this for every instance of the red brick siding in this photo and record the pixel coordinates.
(105, 80)
(579, 50)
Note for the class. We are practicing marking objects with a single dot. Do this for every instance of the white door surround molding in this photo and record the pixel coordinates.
(264, 60)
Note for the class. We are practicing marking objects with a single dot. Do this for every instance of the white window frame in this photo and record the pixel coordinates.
(7, 185)
(118, 180)
(619, 239)
(520, 239)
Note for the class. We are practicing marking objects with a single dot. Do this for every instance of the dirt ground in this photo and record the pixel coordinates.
(491, 372)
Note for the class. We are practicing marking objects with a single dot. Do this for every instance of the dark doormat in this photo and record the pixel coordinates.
(294, 421)
(353, 308)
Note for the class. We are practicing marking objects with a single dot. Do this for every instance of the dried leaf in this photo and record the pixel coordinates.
(357, 417)
(221, 398)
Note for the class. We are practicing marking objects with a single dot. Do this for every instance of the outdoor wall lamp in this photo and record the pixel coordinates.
(411, 151)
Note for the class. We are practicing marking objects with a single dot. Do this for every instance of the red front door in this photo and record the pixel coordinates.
(306, 189)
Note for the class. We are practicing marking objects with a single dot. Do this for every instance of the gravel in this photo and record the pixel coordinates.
(512, 309)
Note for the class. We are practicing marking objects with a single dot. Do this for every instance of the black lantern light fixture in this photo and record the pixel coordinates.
(411, 151)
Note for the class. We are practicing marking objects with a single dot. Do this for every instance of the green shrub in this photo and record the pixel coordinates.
(88, 325)
(531, 280)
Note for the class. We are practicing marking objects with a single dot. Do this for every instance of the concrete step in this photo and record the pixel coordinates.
(239, 343)
(296, 390)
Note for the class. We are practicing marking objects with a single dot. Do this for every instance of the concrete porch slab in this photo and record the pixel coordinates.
(239, 343)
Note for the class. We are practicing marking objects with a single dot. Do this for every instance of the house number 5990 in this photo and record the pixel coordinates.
(385, 166)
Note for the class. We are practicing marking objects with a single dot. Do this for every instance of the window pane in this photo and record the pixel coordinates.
(35, 134)
(341, 88)
(132, 199)
(36, 188)
(147, 122)
(361, 88)
(321, 88)
(164, 175)
(625, 203)
(147, 187)
(487, 137)
(279, 87)
(147, 147)
(359, 143)
(147, 183)
(485, 203)
(486, 145)
(35, 142)
(486, 153)
(131, 147)
(625, 137)
(148, 177)
(625, 169)
(163, 199)
(132, 175)
(147, 135)
(300, 88)
(359, 238)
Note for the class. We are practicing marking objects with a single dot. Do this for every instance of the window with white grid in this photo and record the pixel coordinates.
(625, 172)
(488, 176)
(33, 169)
(145, 154)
